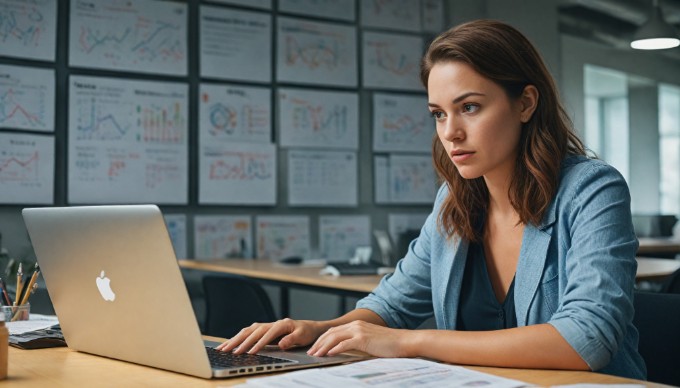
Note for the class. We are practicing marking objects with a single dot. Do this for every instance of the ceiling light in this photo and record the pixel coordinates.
(655, 33)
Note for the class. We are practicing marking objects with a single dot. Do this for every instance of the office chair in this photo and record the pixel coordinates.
(657, 318)
(234, 302)
(672, 284)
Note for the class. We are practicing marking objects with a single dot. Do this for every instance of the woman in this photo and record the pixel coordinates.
(528, 258)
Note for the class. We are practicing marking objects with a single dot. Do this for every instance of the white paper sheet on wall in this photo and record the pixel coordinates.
(134, 35)
(223, 237)
(320, 119)
(391, 14)
(316, 53)
(26, 169)
(237, 174)
(28, 29)
(177, 229)
(128, 141)
(322, 178)
(332, 9)
(282, 236)
(391, 61)
(232, 113)
(381, 179)
(339, 236)
(26, 98)
(412, 179)
(235, 44)
(401, 123)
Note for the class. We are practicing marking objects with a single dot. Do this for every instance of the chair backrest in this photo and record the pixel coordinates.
(672, 283)
(657, 318)
(234, 302)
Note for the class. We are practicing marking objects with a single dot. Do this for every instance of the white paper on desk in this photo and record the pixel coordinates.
(386, 372)
(36, 322)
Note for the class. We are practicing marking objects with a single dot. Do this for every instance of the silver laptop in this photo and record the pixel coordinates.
(118, 292)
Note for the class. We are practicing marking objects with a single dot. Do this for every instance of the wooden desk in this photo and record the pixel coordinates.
(287, 276)
(653, 269)
(659, 246)
(63, 367)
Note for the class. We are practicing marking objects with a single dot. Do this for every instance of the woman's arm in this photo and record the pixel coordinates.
(536, 346)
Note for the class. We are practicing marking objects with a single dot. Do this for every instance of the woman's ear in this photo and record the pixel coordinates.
(528, 102)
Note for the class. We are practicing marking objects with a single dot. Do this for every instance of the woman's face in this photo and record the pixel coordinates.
(477, 123)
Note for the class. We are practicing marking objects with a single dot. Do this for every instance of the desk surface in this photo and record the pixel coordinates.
(648, 269)
(651, 245)
(296, 274)
(63, 367)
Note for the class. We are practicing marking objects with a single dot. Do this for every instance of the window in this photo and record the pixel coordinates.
(669, 148)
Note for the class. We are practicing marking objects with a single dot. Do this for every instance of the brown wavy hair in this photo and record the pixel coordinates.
(503, 55)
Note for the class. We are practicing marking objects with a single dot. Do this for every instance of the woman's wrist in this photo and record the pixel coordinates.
(410, 343)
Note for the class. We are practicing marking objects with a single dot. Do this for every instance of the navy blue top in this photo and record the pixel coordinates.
(479, 309)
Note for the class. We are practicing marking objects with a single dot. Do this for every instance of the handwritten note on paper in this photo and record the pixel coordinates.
(318, 119)
(238, 174)
(177, 229)
(282, 236)
(128, 141)
(26, 169)
(134, 35)
(322, 178)
(235, 44)
(26, 98)
(331, 9)
(28, 29)
(316, 53)
(339, 236)
(223, 237)
(401, 123)
(231, 113)
(391, 61)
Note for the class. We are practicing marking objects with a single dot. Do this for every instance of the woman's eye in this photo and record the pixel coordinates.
(470, 108)
(438, 115)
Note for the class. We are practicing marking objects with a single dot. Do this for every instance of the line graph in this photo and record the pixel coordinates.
(19, 166)
(328, 122)
(13, 112)
(22, 27)
(96, 122)
(393, 62)
(28, 29)
(401, 123)
(241, 166)
(311, 55)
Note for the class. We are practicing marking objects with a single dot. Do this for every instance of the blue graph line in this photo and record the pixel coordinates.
(9, 27)
(96, 123)
(89, 37)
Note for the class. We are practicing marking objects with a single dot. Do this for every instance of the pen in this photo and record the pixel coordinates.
(30, 288)
(20, 275)
(5, 294)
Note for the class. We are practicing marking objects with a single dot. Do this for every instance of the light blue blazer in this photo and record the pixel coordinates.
(576, 271)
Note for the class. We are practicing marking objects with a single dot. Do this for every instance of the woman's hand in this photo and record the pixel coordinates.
(255, 337)
(373, 339)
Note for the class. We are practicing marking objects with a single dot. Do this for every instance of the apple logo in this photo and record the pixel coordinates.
(104, 286)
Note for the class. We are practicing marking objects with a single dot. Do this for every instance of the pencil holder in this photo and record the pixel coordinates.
(17, 313)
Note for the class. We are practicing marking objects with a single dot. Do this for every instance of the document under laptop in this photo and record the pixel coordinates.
(114, 281)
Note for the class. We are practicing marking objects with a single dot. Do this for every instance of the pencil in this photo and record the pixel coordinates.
(20, 275)
(28, 290)
(5, 294)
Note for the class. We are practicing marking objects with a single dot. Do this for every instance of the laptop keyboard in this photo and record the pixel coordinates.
(221, 359)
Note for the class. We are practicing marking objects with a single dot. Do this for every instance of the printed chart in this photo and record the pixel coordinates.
(235, 44)
(318, 119)
(28, 29)
(177, 229)
(405, 179)
(401, 123)
(132, 35)
(331, 9)
(391, 61)
(127, 141)
(339, 236)
(26, 98)
(316, 53)
(222, 237)
(391, 14)
(322, 178)
(229, 113)
(282, 236)
(237, 174)
(433, 15)
(26, 169)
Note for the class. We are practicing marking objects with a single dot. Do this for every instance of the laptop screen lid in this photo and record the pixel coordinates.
(113, 279)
